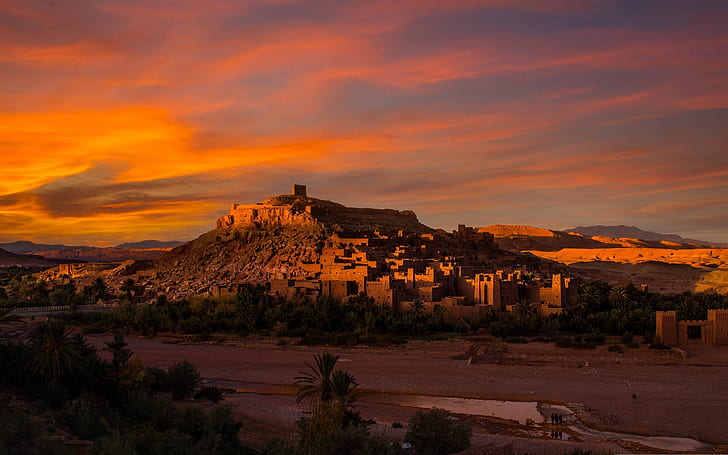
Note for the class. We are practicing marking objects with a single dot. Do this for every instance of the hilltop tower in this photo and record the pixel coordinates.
(298, 190)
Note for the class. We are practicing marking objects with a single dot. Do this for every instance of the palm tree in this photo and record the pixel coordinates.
(127, 288)
(316, 385)
(99, 290)
(344, 389)
(439, 313)
(587, 299)
(119, 353)
(689, 309)
(56, 352)
(523, 309)
(619, 297)
(417, 309)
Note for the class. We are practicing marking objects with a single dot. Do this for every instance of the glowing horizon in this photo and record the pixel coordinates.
(126, 121)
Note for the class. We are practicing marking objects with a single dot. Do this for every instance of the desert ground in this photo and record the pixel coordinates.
(663, 270)
(641, 391)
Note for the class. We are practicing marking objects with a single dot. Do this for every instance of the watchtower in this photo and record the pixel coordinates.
(299, 190)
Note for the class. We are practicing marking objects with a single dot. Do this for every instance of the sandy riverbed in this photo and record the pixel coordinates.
(674, 396)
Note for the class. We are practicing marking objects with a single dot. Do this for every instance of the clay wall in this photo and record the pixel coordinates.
(339, 289)
(465, 287)
(385, 291)
(357, 273)
(720, 326)
(556, 295)
(433, 293)
(666, 327)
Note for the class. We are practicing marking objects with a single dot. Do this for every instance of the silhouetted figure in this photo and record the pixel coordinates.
(559, 435)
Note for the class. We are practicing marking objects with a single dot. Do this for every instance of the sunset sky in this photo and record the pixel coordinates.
(131, 120)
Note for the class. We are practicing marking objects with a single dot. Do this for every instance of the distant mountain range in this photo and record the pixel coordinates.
(633, 232)
(147, 244)
(30, 254)
(25, 247)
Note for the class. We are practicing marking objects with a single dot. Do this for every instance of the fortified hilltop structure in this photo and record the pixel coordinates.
(303, 248)
(299, 210)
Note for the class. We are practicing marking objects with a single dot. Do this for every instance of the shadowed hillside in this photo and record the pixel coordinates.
(8, 259)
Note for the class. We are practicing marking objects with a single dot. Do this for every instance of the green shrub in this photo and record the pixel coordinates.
(156, 379)
(504, 328)
(182, 379)
(594, 338)
(213, 394)
(83, 417)
(436, 432)
(615, 348)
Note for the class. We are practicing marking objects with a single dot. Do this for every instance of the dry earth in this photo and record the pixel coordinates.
(640, 391)
(662, 269)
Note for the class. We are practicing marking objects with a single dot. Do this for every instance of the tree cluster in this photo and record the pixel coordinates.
(116, 404)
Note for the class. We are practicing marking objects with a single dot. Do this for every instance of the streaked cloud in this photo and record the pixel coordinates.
(147, 118)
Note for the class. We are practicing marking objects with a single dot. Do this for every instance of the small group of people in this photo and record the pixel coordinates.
(556, 435)
(557, 419)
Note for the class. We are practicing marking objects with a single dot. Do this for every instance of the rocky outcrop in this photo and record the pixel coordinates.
(301, 211)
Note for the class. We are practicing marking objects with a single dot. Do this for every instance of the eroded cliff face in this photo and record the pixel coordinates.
(226, 256)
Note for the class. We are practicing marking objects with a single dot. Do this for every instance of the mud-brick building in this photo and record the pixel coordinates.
(711, 331)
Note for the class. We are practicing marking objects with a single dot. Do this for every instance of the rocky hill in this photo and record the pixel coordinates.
(297, 211)
(8, 259)
(522, 238)
(25, 246)
(102, 255)
(151, 244)
(633, 232)
(255, 243)
(528, 238)
(666, 263)
(285, 236)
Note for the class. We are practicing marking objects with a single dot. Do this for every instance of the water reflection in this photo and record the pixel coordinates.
(519, 411)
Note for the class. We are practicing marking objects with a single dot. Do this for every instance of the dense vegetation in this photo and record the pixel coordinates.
(20, 289)
(598, 309)
(603, 309)
(62, 380)
(357, 320)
